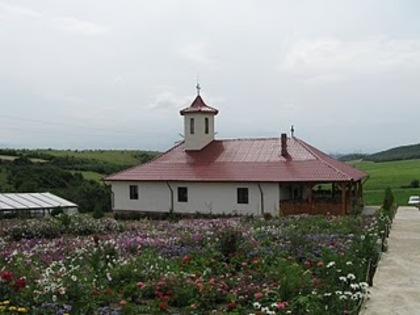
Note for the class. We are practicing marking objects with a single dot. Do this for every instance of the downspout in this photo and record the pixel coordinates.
(171, 208)
(262, 198)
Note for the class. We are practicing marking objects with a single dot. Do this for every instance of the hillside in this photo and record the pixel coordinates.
(407, 152)
(73, 175)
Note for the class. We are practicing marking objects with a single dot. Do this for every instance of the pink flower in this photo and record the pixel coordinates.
(140, 284)
(123, 302)
(282, 305)
(258, 295)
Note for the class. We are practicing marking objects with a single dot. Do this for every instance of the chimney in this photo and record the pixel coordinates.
(284, 145)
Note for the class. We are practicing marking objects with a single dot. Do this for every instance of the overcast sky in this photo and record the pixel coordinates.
(114, 74)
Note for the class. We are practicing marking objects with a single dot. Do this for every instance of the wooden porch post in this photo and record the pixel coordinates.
(343, 199)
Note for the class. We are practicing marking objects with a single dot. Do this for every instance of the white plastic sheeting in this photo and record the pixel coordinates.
(33, 201)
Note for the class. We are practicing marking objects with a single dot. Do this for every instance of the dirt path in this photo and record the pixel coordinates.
(396, 285)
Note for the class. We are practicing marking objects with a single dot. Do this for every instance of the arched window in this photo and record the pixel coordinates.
(206, 125)
(192, 127)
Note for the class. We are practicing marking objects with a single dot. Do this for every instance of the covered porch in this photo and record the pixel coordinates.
(337, 198)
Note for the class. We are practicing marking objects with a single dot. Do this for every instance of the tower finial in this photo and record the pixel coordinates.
(292, 131)
(198, 87)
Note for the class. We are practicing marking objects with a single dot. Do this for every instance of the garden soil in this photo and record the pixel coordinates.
(396, 285)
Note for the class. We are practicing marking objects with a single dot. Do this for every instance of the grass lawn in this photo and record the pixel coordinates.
(394, 174)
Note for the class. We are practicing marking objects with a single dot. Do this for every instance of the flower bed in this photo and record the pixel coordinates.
(293, 265)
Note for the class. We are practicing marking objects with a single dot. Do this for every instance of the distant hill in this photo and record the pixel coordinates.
(407, 152)
(351, 157)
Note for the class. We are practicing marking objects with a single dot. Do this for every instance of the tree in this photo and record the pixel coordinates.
(388, 199)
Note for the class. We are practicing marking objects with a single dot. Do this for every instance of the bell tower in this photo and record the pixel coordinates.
(198, 123)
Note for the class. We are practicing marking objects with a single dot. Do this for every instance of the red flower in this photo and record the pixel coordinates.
(317, 282)
(232, 305)
(6, 276)
(20, 283)
(95, 292)
(258, 295)
(163, 306)
(186, 259)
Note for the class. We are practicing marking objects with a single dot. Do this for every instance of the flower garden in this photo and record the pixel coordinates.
(289, 265)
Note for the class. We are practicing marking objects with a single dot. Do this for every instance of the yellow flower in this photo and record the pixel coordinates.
(12, 308)
(22, 310)
(5, 302)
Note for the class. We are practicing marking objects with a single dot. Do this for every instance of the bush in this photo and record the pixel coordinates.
(414, 183)
(98, 213)
(388, 199)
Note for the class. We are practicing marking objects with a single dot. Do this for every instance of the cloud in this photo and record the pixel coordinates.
(77, 26)
(17, 11)
(197, 53)
(328, 59)
(169, 100)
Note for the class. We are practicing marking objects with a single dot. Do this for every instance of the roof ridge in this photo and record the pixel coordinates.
(150, 161)
(248, 139)
(311, 149)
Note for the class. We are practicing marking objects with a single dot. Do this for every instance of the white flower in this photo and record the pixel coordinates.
(363, 285)
(342, 278)
(349, 263)
(351, 276)
(256, 305)
(330, 264)
(343, 297)
(74, 278)
(338, 292)
(327, 294)
(354, 286)
(265, 310)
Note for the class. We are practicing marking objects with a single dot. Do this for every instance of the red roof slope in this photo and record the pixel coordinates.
(244, 160)
(198, 106)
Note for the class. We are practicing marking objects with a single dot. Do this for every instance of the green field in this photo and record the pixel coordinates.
(90, 175)
(12, 158)
(117, 157)
(394, 174)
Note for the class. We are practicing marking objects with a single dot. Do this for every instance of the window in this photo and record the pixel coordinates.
(182, 194)
(206, 125)
(242, 194)
(134, 192)
(192, 127)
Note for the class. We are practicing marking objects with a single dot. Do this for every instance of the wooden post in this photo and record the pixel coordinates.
(343, 199)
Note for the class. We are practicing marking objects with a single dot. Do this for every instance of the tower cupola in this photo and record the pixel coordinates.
(198, 123)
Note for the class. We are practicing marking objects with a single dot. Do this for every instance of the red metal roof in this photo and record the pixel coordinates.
(198, 106)
(243, 160)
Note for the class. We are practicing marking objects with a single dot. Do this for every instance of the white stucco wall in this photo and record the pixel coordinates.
(216, 198)
(199, 139)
